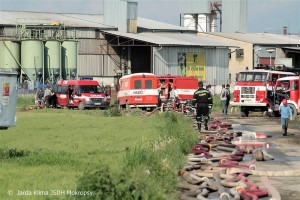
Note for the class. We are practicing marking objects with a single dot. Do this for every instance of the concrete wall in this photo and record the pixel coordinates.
(236, 64)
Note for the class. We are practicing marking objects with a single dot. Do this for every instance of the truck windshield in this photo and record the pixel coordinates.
(253, 76)
(90, 89)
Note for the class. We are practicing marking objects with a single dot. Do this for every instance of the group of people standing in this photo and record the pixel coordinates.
(46, 97)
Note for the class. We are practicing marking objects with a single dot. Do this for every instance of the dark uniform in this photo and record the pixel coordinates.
(203, 99)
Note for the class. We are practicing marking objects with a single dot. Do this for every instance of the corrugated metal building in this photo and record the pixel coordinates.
(105, 52)
(252, 50)
(165, 49)
(234, 16)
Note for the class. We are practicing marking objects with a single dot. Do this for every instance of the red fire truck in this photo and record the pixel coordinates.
(138, 90)
(287, 88)
(81, 94)
(181, 89)
(253, 89)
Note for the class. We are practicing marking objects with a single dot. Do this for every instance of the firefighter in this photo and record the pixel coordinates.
(203, 99)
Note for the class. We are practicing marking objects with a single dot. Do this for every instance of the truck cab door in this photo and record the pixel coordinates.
(62, 96)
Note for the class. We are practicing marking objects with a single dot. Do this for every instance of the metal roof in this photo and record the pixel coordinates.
(257, 38)
(172, 39)
(155, 25)
(293, 48)
(76, 20)
(69, 20)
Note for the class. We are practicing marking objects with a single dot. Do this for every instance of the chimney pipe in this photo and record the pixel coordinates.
(285, 30)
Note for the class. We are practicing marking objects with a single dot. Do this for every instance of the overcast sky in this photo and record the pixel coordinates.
(263, 15)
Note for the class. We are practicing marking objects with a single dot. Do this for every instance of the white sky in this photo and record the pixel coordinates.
(263, 15)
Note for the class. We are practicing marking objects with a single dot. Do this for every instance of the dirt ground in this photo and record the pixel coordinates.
(286, 150)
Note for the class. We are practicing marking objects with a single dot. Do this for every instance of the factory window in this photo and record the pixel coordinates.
(137, 84)
(240, 53)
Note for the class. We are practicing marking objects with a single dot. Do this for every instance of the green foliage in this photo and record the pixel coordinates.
(149, 171)
(62, 149)
(217, 107)
(25, 100)
(12, 153)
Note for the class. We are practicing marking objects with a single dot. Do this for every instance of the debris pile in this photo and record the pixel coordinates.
(217, 169)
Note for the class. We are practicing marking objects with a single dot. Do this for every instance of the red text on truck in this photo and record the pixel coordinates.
(253, 89)
(80, 94)
(138, 90)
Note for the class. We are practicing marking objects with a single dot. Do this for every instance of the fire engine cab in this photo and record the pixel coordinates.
(80, 94)
(138, 90)
(253, 89)
(181, 89)
(287, 88)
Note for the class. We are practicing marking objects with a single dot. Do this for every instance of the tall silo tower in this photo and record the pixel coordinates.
(200, 15)
(234, 16)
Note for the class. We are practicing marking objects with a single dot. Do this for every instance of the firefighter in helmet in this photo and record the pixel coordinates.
(201, 101)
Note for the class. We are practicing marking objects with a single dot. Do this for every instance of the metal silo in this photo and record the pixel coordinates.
(9, 56)
(52, 60)
(69, 59)
(32, 58)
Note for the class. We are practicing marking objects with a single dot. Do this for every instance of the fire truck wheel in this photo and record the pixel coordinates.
(244, 112)
(294, 110)
(127, 105)
(80, 106)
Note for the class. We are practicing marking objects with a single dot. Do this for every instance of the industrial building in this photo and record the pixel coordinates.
(109, 49)
(258, 49)
(214, 15)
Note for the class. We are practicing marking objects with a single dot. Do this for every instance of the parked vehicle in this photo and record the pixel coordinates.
(287, 88)
(180, 89)
(80, 94)
(253, 89)
(138, 90)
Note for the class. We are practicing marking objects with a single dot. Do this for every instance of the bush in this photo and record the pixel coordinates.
(149, 170)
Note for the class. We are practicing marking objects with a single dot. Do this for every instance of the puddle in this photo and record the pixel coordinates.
(287, 158)
(254, 145)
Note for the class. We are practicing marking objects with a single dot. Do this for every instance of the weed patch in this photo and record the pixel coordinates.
(12, 153)
(148, 171)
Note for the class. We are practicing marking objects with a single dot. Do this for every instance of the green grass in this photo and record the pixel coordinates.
(217, 106)
(25, 100)
(56, 149)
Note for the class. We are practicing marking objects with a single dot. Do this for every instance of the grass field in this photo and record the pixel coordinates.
(59, 150)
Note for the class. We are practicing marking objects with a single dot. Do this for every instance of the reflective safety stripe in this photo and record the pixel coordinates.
(201, 91)
(200, 95)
